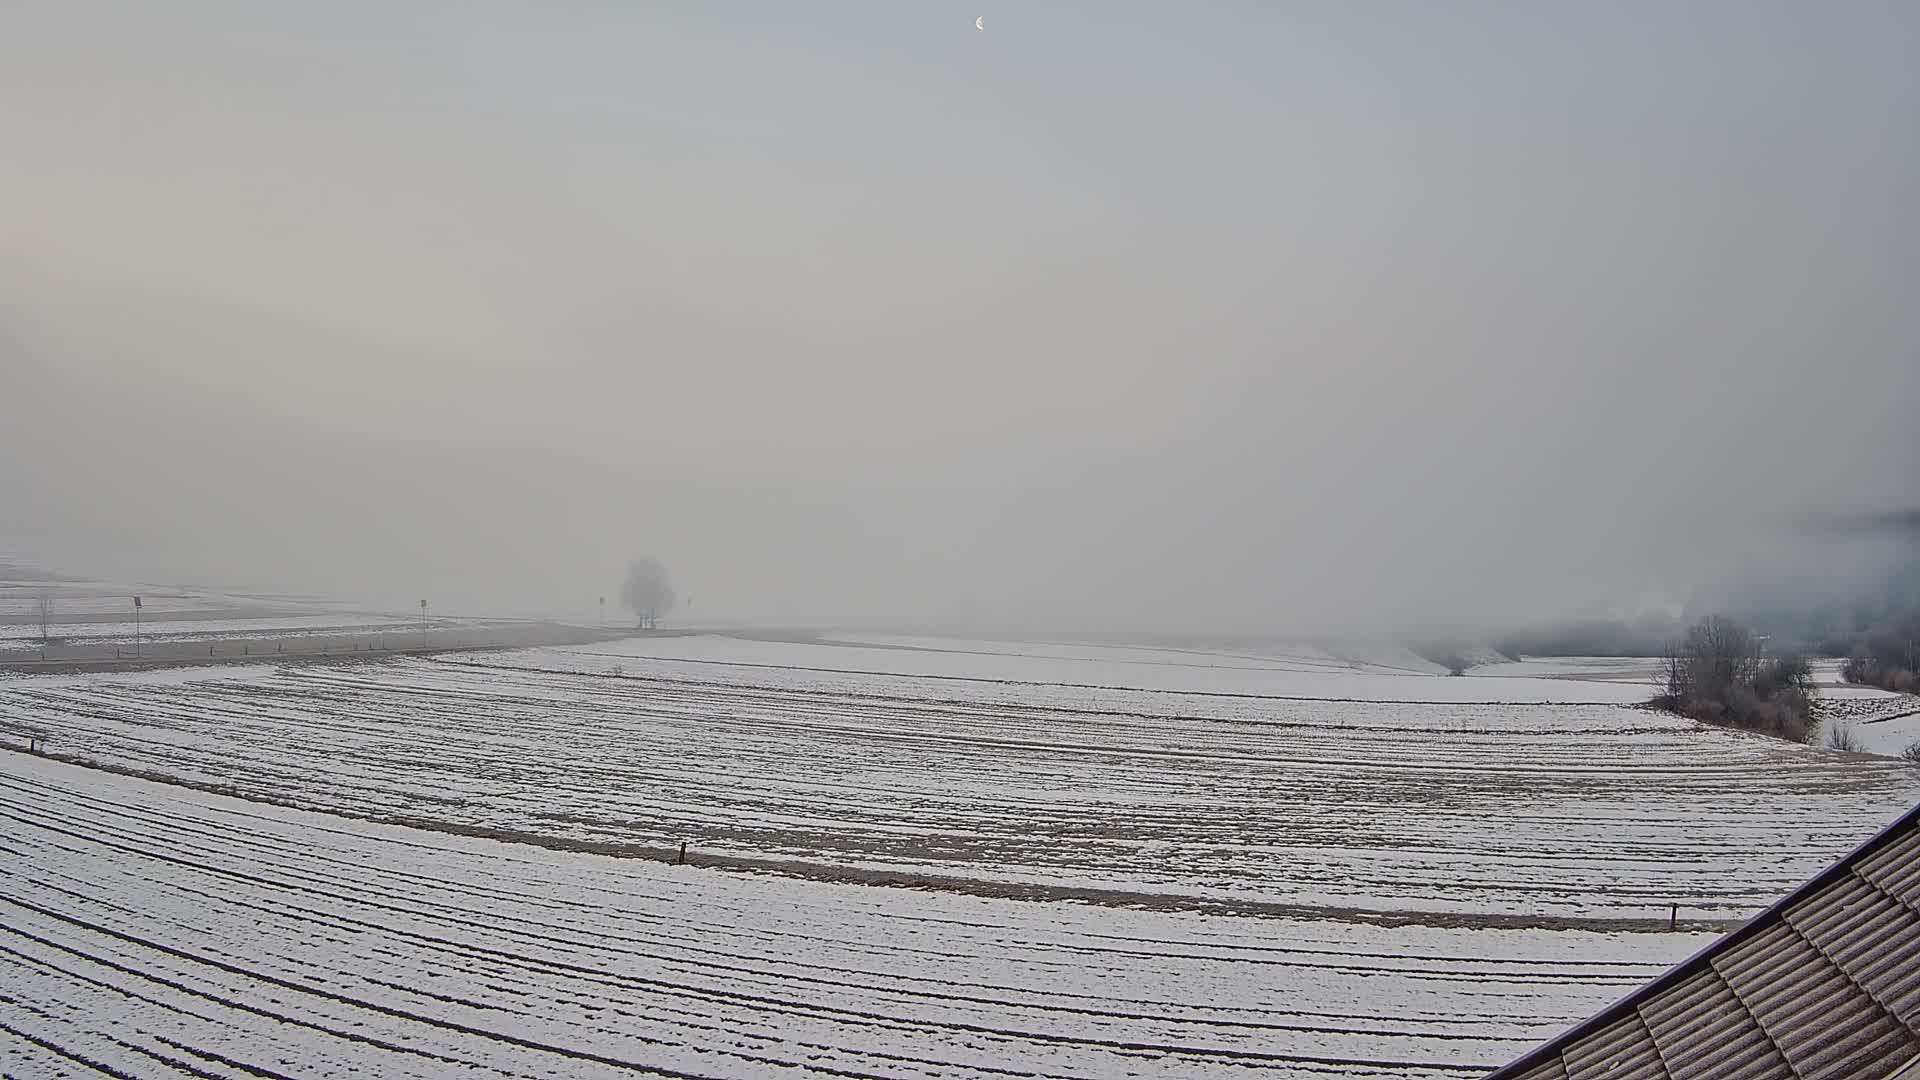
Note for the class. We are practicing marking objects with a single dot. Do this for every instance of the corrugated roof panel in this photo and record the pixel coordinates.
(1622, 1050)
(1823, 1023)
(1824, 985)
(1872, 937)
(1777, 975)
(1704, 1033)
(1873, 1051)
(1895, 867)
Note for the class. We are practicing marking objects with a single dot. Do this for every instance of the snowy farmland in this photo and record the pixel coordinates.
(66, 625)
(162, 931)
(1198, 798)
(1125, 861)
(68, 616)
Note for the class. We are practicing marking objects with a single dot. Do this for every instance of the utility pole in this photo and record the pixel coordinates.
(136, 626)
(423, 618)
(46, 608)
(603, 613)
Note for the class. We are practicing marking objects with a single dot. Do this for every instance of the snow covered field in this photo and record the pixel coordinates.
(1384, 674)
(1118, 861)
(161, 932)
(1203, 799)
(97, 613)
(153, 631)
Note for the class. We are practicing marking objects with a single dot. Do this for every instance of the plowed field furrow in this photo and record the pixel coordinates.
(162, 931)
(1521, 810)
(410, 892)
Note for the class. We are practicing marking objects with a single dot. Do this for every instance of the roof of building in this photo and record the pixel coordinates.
(1825, 983)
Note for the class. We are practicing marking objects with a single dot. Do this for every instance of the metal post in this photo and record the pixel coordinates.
(136, 626)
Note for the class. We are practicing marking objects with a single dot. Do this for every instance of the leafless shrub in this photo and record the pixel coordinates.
(1789, 672)
(1716, 655)
(1843, 737)
(1911, 754)
(1858, 668)
(1888, 655)
(1714, 674)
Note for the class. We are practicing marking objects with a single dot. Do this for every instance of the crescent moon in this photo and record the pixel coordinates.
(980, 23)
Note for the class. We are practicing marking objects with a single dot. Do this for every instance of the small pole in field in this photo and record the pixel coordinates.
(1673, 918)
(136, 626)
(682, 860)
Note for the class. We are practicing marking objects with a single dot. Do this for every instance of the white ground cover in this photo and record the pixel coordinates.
(1889, 727)
(78, 608)
(158, 931)
(162, 629)
(1511, 811)
(1054, 668)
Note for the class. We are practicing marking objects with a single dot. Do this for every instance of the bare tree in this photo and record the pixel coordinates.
(1716, 656)
(1888, 654)
(648, 591)
(1715, 674)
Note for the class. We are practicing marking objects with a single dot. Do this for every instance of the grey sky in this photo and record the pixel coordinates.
(1238, 314)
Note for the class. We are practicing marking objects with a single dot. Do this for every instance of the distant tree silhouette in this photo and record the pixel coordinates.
(1715, 674)
(1887, 654)
(1716, 655)
(648, 591)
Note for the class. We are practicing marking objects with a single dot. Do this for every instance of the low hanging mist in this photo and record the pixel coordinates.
(1110, 318)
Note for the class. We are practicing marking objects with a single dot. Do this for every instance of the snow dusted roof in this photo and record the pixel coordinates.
(1824, 984)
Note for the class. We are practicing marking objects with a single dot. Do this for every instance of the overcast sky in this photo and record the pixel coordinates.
(1248, 315)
